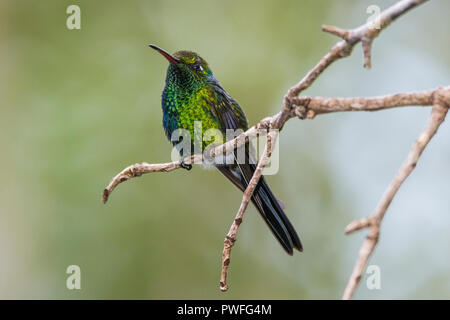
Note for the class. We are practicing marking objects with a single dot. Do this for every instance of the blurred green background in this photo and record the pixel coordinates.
(77, 106)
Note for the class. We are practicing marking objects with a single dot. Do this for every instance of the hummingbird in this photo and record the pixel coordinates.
(192, 93)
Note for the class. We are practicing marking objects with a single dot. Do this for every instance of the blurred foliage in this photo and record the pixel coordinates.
(80, 105)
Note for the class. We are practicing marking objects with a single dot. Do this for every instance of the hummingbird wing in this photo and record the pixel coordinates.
(227, 111)
(230, 116)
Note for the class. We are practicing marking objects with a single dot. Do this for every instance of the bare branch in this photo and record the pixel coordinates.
(318, 105)
(441, 103)
(230, 239)
(138, 169)
(369, 31)
(322, 105)
(365, 33)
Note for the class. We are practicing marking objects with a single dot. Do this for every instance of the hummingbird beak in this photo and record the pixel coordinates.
(167, 55)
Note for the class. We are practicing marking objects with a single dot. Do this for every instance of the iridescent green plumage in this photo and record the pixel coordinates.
(192, 95)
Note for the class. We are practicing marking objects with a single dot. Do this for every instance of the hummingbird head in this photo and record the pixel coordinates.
(186, 66)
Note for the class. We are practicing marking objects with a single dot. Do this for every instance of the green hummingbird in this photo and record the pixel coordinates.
(191, 94)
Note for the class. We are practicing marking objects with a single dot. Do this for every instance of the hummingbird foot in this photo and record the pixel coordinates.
(184, 165)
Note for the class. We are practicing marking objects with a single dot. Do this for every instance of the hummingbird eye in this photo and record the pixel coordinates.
(197, 67)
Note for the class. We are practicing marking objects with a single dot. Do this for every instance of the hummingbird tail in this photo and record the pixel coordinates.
(272, 213)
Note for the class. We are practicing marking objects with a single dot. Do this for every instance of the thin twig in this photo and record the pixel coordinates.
(365, 33)
(230, 239)
(322, 105)
(138, 169)
(440, 108)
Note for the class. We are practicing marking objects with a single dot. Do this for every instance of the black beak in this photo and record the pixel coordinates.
(167, 55)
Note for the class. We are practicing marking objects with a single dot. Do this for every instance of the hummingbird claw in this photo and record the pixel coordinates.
(185, 165)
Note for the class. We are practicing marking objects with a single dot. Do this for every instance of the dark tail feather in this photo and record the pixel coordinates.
(276, 219)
